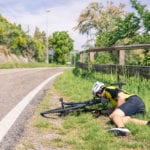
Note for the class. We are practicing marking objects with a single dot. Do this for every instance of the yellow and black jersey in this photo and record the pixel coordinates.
(111, 93)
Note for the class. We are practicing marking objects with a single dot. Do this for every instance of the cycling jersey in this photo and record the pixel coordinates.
(111, 93)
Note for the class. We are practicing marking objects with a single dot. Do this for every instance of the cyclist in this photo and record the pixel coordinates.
(125, 105)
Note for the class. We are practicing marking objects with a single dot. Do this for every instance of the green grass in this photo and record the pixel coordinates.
(83, 131)
(80, 85)
(26, 65)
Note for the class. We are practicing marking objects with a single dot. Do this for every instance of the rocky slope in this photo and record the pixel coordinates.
(6, 56)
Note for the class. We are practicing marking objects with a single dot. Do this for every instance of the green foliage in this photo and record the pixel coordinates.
(39, 50)
(17, 45)
(62, 44)
(102, 39)
(125, 28)
(146, 60)
(4, 28)
(143, 13)
(77, 71)
(105, 58)
(146, 20)
(141, 39)
(20, 43)
(40, 36)
(141, 58)
(126, 33)
(112, 26)
(132, 58)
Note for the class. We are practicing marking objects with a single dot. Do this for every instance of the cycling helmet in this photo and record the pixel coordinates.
(98, 88)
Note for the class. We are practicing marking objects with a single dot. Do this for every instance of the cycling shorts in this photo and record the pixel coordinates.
(133, 105)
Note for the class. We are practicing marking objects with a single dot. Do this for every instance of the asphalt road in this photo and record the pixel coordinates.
(17, 85)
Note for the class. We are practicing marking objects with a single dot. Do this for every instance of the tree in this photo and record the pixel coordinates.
(20, 43)
(143, 13)
(4, 30)
(125, 28)
(39, 50)
(99, 18)
(62, 44)
(144, 16)
(38, 35)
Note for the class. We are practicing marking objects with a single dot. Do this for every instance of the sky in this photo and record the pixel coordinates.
(52, 15)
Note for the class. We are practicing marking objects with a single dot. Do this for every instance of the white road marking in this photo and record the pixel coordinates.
(10, 118)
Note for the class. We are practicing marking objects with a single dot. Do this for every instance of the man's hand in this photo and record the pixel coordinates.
(104, 101)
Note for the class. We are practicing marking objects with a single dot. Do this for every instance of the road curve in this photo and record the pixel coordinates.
(20, 89)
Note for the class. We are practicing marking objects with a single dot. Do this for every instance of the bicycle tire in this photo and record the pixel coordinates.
(62, 111)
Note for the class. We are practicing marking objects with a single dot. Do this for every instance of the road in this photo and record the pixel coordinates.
(20, 91)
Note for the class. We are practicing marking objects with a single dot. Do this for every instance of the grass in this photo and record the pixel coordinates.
(86, 132)
(82, 131)
(27, 65)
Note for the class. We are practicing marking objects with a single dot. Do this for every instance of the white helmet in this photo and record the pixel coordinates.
(98, 88)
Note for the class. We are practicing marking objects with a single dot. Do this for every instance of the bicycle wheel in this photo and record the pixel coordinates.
(63, 111)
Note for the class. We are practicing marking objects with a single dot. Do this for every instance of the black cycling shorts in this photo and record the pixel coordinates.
(133, 105)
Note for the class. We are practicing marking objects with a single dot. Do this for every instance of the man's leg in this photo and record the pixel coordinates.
(137, 121)
(119, 118)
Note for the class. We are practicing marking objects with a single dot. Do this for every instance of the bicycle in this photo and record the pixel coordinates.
(68, 107)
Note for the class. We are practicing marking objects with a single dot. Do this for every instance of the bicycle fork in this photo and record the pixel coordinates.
(62, 103)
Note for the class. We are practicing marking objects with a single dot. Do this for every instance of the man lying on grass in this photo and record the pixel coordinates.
(125, 105)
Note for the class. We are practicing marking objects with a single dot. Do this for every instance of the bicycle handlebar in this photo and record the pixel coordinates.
(119, 84)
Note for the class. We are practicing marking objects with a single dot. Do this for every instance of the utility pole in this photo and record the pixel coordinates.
(47, 59)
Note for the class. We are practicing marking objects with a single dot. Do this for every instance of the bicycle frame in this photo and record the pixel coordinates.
(67, 107)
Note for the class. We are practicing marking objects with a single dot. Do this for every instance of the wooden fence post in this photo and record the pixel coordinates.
(122, 57)
(82, 57)
(91, 56)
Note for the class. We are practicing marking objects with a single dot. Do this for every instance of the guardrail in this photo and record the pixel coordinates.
(120, 68)
(126, 47)
(120, 49)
